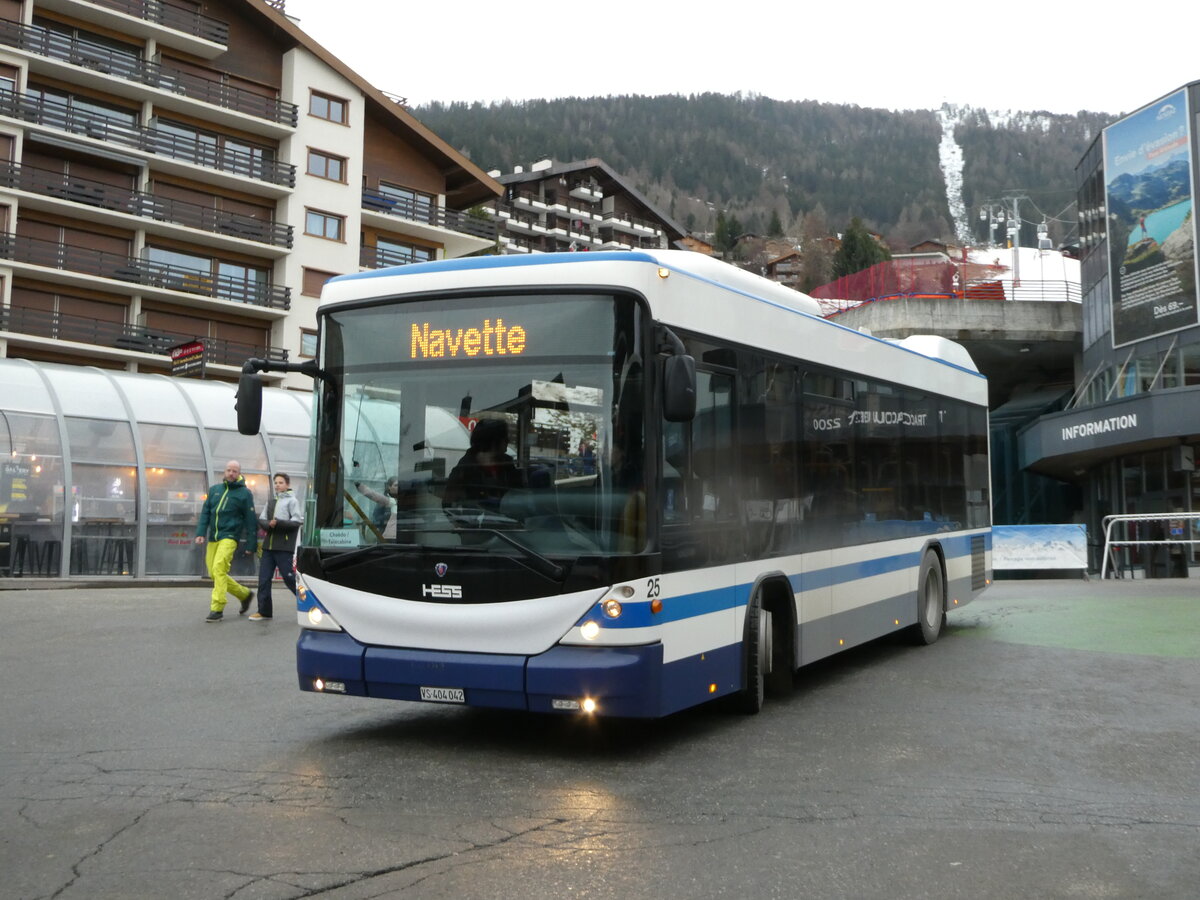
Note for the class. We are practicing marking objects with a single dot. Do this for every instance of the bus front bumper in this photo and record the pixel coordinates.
(608, 681)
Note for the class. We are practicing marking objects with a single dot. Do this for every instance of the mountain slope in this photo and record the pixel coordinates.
(751, 156)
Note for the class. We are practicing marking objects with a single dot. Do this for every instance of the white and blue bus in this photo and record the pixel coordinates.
(621, 484)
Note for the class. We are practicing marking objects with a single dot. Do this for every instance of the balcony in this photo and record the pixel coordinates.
(41, 41)
(525, 224)
(167, 23)
(458, 232)
(59, 186)
(630, 224)
(98, 263)
(428, 214)
(587, 190)
(526, 200)
(128, 338)
(63, 116)
(380, 258)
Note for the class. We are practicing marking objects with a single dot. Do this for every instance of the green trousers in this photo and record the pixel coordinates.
(219, 557)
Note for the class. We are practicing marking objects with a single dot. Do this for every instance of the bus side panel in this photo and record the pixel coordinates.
(968, 567)
(624, 681)
(332, 656)
(700, 678)
(814, 600)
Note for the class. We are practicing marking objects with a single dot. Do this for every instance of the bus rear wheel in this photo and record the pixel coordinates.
(931, 600)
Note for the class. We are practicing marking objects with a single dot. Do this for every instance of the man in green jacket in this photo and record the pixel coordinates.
(227, 519)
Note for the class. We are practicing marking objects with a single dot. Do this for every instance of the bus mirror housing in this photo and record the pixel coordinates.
(679, 388)
(249, 403)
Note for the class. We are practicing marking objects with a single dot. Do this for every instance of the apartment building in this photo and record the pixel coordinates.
(176, 172)
(576, 206)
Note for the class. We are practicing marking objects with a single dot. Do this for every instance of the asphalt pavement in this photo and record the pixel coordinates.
(1048, 746)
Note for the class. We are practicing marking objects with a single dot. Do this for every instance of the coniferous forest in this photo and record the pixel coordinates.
(809, 166)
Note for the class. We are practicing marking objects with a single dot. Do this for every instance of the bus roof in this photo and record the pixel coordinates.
(679, 260)
(689, 307)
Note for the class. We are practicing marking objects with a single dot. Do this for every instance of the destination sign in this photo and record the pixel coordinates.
(477, 332)
(491, 338)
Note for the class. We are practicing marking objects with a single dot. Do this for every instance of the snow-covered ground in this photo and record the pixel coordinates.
(1042, 274)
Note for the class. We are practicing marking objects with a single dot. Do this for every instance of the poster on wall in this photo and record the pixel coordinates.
(1151, 226)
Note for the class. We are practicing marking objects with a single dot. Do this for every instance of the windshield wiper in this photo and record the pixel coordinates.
(343, 559)
(541, 564)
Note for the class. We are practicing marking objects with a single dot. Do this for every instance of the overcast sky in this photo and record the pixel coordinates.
(1061, 57)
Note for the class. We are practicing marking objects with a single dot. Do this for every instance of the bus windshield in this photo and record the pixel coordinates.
(508, 424)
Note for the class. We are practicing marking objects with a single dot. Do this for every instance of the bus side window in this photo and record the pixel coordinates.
(674, 465)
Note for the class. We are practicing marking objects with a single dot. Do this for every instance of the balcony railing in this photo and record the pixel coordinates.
(377, 258)
(55, 255)
(428, 214)
(139, 203)
(85, 330)
(52, 45)
(56, 114)
(586, 190)
(628, 223)
(177, 18)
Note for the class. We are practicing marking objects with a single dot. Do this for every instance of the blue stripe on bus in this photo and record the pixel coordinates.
(680, 606)
(476, 263)
(685, 606)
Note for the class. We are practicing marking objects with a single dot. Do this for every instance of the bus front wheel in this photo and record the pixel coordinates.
(756, 657)
(931, 600)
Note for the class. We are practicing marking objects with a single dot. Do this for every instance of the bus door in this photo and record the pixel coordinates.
(699, 509)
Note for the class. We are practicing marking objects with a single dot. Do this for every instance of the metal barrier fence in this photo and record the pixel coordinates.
(1123, 521)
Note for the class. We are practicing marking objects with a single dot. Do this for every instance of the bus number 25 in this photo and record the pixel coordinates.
(652, 589)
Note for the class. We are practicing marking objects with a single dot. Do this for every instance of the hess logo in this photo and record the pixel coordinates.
(442, 591)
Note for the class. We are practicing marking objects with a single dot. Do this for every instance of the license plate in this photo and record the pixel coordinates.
(443, 695)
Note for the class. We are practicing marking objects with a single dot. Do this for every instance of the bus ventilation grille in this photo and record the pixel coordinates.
(978, 570)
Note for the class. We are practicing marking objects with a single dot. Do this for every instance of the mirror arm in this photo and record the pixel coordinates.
(669, 342)
(309, 368)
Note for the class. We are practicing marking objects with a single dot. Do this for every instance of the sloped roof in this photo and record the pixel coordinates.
(466, 183)
(603, 173)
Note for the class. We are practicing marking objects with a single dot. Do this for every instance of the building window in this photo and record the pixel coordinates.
(80, 110)
(323, 165)
(325, 107)
(313, 280)
(308, 342)
(324, 225)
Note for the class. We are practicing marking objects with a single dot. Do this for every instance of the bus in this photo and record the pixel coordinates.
(621, 484)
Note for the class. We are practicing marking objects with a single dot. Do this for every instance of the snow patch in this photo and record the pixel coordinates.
(950, 158)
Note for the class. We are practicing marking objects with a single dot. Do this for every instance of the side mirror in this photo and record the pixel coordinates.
(679, 388)
(249, 403)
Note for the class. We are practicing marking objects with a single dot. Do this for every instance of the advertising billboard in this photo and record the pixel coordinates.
(1151, 226)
